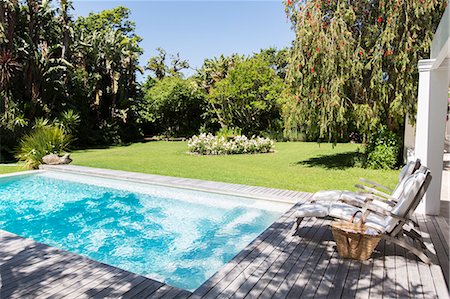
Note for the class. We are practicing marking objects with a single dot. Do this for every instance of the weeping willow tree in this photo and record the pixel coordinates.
(354, 64)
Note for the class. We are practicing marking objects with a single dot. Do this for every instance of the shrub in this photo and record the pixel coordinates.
(68, 121)
(229, 132)
(41, 141)
(208, 144)
(383, 150)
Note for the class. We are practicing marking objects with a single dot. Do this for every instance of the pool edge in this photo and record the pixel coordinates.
(247, 191)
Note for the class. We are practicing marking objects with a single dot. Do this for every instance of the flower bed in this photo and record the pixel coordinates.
(208, 144)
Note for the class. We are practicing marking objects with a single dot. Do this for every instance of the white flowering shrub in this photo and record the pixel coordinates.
(208, 144)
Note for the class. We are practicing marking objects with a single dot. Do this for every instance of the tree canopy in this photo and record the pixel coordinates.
(174, 107)
(51, 63)
(354, 64)
(249, 97)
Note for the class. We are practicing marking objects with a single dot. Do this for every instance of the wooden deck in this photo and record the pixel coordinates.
(280, 263)
(33, 270)
(283, 263)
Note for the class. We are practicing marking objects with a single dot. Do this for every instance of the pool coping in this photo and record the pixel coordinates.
(18, 173)
(254, 192)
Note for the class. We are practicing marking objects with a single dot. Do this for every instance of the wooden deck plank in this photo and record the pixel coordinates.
(308, 279)
(275, 247)
(351, 282)
(242, 259)
(444, 228)
(339, 280)
(145, 286)
(75, 281)
(295, 271)
(115, 289)
(255, 256)
(415, 287)
(389, 279)
(90, 288)
(326, 281)
(306, 247)
(433, 280)
(258, 281)
(401, 273)
(377, 273)
(160, 292)
(363, 284)
(440, 246)
(48, 277)
(443, 231)
(25, 277)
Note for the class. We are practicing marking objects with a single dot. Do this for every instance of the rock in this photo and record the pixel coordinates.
(54, 159)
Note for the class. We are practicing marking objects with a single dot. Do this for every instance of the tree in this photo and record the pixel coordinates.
(277, 59)
(216, 69)
(159, 66)
(249, 97)
(354, 64)
(174, 107)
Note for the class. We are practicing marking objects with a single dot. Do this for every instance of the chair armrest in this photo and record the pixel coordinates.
(383, 212)
(368, 201)
(376, 192)
(375, 184)
(389, 202)
(352, 201)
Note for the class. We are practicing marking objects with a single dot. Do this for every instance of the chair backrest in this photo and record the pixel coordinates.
(414, 187)
(406, 171)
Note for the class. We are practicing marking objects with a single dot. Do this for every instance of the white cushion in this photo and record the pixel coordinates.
(345, 212)
(317, 209)
(335, 195)
(411, 187)
(327, 195)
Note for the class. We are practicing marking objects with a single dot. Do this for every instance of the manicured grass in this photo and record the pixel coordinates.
(297, 165)
(9, 169)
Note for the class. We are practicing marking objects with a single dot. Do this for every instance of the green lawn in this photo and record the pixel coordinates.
(296, 165)
(9, 169)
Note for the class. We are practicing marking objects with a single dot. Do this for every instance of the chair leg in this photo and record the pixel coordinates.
(402, 243)
(297, 223)
(415, 236)
(415, 224)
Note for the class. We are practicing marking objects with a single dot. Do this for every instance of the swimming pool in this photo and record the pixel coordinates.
(177, 236)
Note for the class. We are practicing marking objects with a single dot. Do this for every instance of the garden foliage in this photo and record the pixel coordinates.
(249, 97)
(41, 141)
(173, 107)
(383, 149)
(51, 63)
(245, 93)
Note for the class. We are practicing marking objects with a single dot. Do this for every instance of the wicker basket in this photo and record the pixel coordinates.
(353, 240)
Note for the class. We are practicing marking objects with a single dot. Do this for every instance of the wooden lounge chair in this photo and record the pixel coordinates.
(392, 223)
(371, 190)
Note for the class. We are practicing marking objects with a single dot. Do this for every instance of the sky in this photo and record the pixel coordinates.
(202, 29)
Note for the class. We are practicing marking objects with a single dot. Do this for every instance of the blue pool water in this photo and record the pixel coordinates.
(178, 236)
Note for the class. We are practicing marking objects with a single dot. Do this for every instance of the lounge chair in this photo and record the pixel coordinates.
(372, 189)
(392, 223)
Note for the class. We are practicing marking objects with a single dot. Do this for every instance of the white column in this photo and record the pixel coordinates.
(430, 127)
